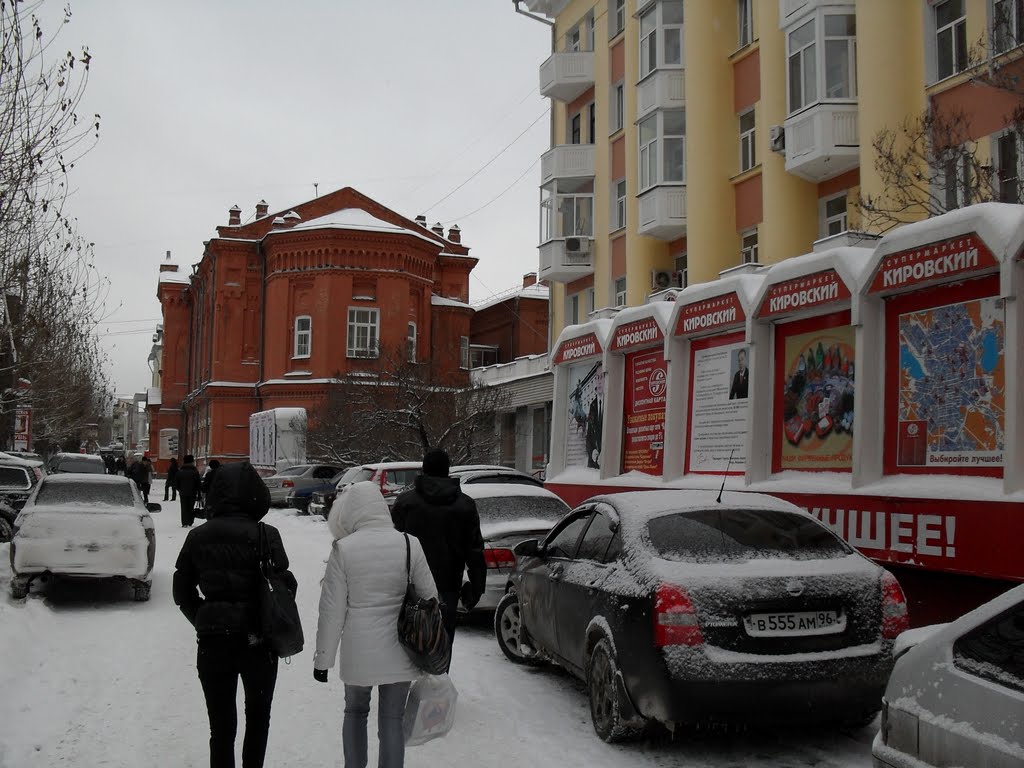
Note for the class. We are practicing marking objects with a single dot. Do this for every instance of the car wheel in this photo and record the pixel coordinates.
(6, 530)
(141, 591)
(602, 674)
(19, 588)
(508, 629)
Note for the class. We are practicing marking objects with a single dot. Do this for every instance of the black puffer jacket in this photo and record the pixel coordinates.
(188, 481)
(447, 524)
(220, 557)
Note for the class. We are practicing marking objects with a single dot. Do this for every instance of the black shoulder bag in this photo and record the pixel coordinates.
(279, 616)
(421, 627)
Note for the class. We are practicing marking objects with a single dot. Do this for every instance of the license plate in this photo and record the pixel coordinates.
(794, 623)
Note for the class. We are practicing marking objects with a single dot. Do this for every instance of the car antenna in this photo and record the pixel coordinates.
(726, 475)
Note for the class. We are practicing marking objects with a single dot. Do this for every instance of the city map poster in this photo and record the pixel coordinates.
(585, 425)
(643, 434)
(718, 407)
(817, 398)
(952, 385)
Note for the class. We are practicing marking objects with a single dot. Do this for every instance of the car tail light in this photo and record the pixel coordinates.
(499, 558)
(675, 618)
(287, 484)
(894, 608)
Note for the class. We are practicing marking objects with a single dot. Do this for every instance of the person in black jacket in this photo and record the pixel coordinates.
(172, 475)
(189, 484)
(221, 559)
(446, 522)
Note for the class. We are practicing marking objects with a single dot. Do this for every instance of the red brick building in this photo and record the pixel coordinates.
(280, 307)
(511, 324)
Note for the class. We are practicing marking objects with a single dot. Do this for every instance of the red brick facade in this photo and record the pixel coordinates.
(516, 323)
(230, 341)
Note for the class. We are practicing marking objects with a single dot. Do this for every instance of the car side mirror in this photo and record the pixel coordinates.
(152, 507)
(528, 548)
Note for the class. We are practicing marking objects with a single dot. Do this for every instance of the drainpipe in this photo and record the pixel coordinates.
(263, 319)
(529, 15)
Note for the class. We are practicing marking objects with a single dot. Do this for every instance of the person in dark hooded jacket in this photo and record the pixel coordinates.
(447, 524)
(189, 485)
(221, 559)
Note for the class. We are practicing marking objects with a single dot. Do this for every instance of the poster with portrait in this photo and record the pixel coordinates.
(643, 430)
(718, 408)
(585, 419)
(817, 399)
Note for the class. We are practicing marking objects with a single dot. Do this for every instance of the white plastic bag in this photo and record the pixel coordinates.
(430, 710)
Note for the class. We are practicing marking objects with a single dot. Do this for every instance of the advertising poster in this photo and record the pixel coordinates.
(586, 416)
(817, 400)
(952, 385)
(643, 441)
(168, 444)
(22, 429)
(718, 409)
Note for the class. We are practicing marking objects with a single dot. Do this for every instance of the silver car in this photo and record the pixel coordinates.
(957, 698)
(293, 478)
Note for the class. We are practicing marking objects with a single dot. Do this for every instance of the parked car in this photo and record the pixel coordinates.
(300, 498)
(676, 608)
(503, 475)
(17, 479)
(76, 463)
(957, 697)
(74, 525)
(299, 476)
(393, 476)
(509, 513)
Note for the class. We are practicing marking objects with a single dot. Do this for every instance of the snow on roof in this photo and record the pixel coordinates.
(492, 490)
(641, 506)
(77, 478)
(174, 277)
(602, 328)
(534, 291)
(660, 311)
(1000, 225)
(746, 287)
(357, 219)
(440, 301)
(853, 265)
(153, 396)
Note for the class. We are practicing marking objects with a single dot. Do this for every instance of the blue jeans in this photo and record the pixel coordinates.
(390, 712)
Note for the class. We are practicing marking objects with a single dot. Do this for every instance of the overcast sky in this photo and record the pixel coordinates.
(209, 103)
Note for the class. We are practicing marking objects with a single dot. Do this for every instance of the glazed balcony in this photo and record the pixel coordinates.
(567, 161)
(565, 259)
(822, 141)
(663, 212)
(662, 89)
(566, 75)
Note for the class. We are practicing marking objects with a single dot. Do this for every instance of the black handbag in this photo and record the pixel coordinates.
(279, 616)
(421, 627)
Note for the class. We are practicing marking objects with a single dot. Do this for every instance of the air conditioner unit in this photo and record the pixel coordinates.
(777, 138)
(577, 245)
(679, 278)
(661, 279)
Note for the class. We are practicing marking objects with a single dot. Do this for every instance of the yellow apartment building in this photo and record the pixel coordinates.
(689, 137)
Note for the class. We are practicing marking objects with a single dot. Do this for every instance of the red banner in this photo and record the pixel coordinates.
(710, 315)
(640, 333)
(577, 349)
(643, 431)
(945, 260)
(809, 291)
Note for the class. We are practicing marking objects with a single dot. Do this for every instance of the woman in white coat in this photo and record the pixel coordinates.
(360, 600)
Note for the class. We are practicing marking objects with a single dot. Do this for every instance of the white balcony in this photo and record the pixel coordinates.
(664, 89)
(567, 161)
(564, 76)
(561, 265)
(822, 142)
(663, 212)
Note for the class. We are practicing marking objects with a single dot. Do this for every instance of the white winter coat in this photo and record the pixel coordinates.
(363, 589)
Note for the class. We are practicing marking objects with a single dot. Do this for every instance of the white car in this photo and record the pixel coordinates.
(88, 526)
(957, 698)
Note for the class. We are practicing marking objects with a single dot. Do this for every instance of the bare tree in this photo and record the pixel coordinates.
(403, 411)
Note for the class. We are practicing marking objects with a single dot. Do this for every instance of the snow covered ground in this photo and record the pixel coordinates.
(89, 678)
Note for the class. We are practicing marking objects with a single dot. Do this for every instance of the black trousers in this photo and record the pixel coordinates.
(170, 488)
(221, 661)
(188, 509)
(450, 614)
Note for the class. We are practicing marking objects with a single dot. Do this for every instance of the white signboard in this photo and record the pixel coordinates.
(718, 409)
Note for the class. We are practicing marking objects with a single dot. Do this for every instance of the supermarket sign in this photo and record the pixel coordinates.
(640, 333)
(805, 292)
(945, 260)
(710, 315)
(578, 348)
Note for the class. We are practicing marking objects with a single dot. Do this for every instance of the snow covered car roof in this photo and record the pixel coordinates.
(642, 506)
(490, 490)
(74, 479)
(106, 493)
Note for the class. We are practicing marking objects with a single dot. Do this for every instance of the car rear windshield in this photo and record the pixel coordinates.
(294, 470)
(356, 475)
(505, 509)
(116, 494)
(736, 535)
(81, 464)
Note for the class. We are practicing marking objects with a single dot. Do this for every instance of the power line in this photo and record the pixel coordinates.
(496, 197)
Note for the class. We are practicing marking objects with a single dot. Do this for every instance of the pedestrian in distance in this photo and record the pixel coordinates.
(189, 484)
(143, 475)
(362, 593)
(447, 524)
(221, 558)
(172, 475)
(208, 475)
(120, 467)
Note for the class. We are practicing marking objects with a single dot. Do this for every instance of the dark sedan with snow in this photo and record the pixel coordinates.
(676, 608)
(85, 526)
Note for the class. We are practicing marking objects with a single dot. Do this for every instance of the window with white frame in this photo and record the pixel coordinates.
(682, 271)
(840, 56)
(410, 341)
(573, 310)
(956, 178)
(803, 74)
(1007, 156)
(661, 36)
(833, 215)
(464, 358)
(822, 59)
(1007, 24)
(620, 292)
(303, 344)
(662, 138)
(591, 301)
(566, 210)
(363, 331)
(580, 37)
(748, 247)
(748, 152)
(745, 18)
(618, 112)
(619, 213)
(950, 37)
(573, 39)
(616, 17)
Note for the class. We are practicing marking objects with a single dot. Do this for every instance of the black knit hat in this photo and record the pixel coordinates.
(436, 463)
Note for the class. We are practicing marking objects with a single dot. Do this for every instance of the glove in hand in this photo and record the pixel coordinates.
(320, 675)
(469, 596)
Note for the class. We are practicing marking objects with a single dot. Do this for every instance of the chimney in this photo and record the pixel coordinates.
(234, 216)
(290, 219)
(455, 234)
(438, 229)
(167, 266)
(261, 209)
(530, 278)
(422, 220)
